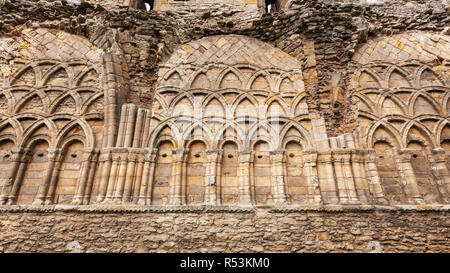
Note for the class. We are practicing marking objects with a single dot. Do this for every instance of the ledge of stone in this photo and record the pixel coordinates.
(110, 208)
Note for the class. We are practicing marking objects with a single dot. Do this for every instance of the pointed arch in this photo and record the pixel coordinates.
(286, 83)
(84, 126)
(156, 135)
(389, 104)
(31, 131)
(396, 77)
(305, 138)
(24, 76)
(35, 101)
(368, 79)
(260, 80)
(423, 103)
(426, 76)
(89, 76)
(174, 78)
(58, 75)
(230, 78)
(200, 80)
(393, 136)
(68, 102)
(425, 136)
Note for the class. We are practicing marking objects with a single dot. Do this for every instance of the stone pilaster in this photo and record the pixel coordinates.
(49, 199)
(244, 159)
(326, 178)
(361, 186)
(278, 177)
(344, 177)
(407, 176)
(179, 158)
(83, 178)
(211, 192)
(373, 177)
(440, 171)
(145, 194)
(105, 163)
(18, 158)
(312, 180)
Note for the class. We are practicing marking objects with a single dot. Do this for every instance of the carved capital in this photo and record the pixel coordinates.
(277, 156)
(151, 155)
(325, 157)
(371, 155)
(404, 155)
(437, 155)
(245, 156)
(180, 154)
(213, 155)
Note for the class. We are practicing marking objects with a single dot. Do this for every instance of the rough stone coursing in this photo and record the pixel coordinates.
(254, 231)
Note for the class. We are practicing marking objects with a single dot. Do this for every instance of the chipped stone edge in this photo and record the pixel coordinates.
(221, 209)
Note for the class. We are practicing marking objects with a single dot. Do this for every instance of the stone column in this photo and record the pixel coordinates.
(129, 176)
(138, 177)
(407, 176)
(277, 176)
(179, 157)
(145, 194)
(17, 181)
(373, 177)
(326, 178)
(440, 171)
(211, 176)
(120, 184)
(17, 158)
(91, 177)
(82, 180)
(312, 181)
(219, 178)
(362, 189)
(105, 161)
(49, 199)
(115, 157)
(45, 181)
(344, 177)
(245, 158)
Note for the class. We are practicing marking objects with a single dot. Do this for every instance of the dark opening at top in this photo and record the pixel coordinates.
(271, 6)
